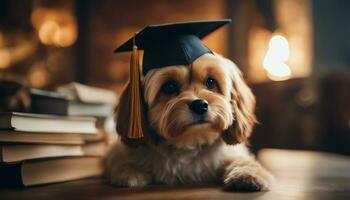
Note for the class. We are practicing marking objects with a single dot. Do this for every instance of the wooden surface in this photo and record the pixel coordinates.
(300, 175)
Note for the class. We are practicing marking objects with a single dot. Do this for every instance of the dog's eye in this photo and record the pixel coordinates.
(211, 83)
(170, 87)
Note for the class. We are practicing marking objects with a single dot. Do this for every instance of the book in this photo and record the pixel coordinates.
(47, 123)
(10, 136)
(48, 102)
(20, 152)
(89, 109)
(88, 94)
(43, 171)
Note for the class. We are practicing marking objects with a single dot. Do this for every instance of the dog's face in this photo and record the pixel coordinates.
(195, 105)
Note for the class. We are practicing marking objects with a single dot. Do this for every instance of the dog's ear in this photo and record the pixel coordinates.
(243, 105)
(123, 113)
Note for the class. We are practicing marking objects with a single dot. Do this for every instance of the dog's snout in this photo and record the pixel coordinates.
(199, 106)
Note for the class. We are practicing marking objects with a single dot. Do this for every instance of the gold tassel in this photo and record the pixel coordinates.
(135, 121)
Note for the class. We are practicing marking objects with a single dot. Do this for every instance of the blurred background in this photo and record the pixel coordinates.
(295, 55)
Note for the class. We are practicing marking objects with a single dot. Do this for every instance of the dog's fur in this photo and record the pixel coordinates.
(183, 151)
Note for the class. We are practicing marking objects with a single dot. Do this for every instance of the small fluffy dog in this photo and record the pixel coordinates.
(200, 116)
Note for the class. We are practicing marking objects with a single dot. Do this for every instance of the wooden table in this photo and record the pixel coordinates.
(300, 175)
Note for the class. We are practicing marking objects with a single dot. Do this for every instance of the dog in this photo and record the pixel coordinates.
(201, 117)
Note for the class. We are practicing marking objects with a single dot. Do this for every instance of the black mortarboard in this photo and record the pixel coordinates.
(173, 43)
(163, 45)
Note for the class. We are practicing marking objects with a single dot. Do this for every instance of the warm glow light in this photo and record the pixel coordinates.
(64, 36)
(55, 27)
(47, 31)
(38, 77)
(37, 16)
(276, 57)
(5, 58)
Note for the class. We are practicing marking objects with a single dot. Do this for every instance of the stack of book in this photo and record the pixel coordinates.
(61, 139)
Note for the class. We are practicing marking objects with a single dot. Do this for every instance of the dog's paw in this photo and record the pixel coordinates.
(247, 179)
(130, 178)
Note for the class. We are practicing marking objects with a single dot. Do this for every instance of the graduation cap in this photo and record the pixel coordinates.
(172, 44)
(163, 45)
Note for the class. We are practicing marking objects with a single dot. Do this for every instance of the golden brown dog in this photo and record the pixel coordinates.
(200, 116)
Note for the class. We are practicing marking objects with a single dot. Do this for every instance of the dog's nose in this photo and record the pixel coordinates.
(199, 106)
